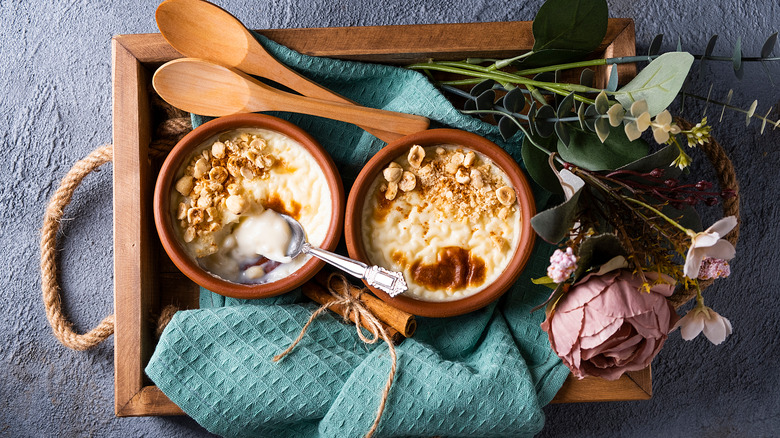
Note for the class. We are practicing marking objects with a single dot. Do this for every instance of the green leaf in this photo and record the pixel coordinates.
(658, 83)
(661, 159)
(554, 224)
(545, 281)
(567, 30)
(597, 250)
(537, 163)
(586, 150)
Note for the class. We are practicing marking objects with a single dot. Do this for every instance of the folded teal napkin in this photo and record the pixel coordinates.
(487, 373)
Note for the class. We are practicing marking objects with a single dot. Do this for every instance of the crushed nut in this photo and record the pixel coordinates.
(202, 166)
(268, 161)
(451, 167)
(457, 158)
(181, 212)
(204, 201)
(408, 182)
(257, 143)
(469, 159)
(189, 234)
(505, 195)
(440, 150)
(195, 215)
(235, 204)
(476, 179)
(184, 185)
(503, 213)
(392, 174)
(218, 150)
(416, 156)
(218, 174)
(247, 173)
(392, 191)
(462, 177)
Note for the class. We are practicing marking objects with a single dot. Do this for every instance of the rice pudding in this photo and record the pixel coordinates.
(222, 197)
(446, 217)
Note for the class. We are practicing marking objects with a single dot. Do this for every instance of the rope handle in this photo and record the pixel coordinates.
(62, 327)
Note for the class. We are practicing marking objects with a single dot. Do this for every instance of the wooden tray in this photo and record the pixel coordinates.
(144, 278)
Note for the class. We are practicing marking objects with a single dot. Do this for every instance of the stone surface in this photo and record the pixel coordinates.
(56, 108)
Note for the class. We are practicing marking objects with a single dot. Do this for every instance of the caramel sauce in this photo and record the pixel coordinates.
(455, 268)
(382, 206)
(276, 204)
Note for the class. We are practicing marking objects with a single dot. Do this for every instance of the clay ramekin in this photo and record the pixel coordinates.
(174, 247)
(433, 137)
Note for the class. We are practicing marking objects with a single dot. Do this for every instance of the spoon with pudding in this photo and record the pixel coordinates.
(199, 29)
(389, 281)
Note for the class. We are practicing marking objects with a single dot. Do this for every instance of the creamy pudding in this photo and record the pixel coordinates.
(446, 217)
(221, 199)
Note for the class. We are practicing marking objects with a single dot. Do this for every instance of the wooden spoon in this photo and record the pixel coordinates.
(209, 89)
(199, 29)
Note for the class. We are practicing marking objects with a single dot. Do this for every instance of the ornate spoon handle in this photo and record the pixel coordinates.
(389, 281)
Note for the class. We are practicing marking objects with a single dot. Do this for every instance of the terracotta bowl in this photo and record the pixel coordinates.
(174, 246)
(353, 219)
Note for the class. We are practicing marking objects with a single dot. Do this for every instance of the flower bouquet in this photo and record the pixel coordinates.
(631, 245)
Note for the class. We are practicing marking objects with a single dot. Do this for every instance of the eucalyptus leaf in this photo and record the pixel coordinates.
(507, 127)
(708, 52)
(555, 224)
(769, 45)
(587, 151)
(537, 163)
(613, 78)
(544, 122)
(485, 100)
(562, 131)
(514, 101)
(658, 83)
(586, 77)
(736, 59)
(655, 46)
(481, 87)
(567, 30)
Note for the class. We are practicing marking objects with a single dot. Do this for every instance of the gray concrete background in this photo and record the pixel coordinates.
(55, 86)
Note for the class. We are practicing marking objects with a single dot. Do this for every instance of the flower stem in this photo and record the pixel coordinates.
(658, 212)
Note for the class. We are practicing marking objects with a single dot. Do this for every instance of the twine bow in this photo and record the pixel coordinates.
(339, 287)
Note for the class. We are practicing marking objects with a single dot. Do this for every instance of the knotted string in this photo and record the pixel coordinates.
(355, 309)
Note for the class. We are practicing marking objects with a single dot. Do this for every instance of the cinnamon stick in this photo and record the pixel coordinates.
(399, 320)
(317, 293)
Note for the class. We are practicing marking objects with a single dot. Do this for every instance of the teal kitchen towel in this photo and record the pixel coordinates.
(487, 373)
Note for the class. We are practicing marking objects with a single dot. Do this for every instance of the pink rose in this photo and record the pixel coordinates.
(605, 325)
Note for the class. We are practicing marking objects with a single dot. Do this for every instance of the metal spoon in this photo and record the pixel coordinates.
(199, 29)
(389, 281)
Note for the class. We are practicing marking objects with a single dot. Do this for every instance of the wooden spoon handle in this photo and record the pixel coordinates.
(271, 99)
(269, 67)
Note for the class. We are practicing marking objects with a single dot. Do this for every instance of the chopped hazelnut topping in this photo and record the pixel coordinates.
(505, 195)
(392, 174)
(184, 185)
(235, 204)
(392, 191)
(416, 156)
(469, 159)
(408, 182)
(462, 177)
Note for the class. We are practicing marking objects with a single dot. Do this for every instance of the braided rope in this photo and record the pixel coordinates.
(62, 327)
(727, 179)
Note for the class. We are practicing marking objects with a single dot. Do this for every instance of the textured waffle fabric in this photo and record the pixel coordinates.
(487, 373)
